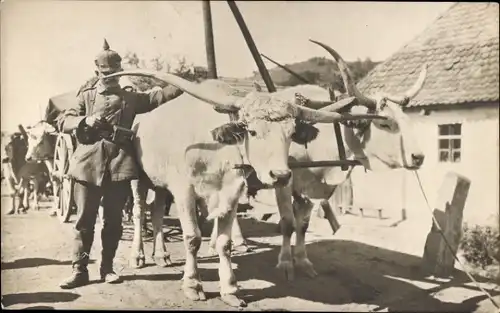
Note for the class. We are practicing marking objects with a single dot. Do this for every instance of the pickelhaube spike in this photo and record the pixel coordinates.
(106, 45)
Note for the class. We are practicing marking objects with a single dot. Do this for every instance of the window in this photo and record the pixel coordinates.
(450, 143)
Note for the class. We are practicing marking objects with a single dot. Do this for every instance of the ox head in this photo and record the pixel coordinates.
(265, 126)
(41, 141)
(385, 143)
(15, 149)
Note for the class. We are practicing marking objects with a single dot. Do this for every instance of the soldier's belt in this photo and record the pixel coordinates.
(118, 135)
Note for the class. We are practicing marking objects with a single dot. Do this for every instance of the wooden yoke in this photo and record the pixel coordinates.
(338, 136)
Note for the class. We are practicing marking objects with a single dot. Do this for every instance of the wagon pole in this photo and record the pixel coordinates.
(251, 45)
(209, 40)
(302, 79)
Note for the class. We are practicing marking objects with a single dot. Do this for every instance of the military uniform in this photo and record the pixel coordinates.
(102, 167)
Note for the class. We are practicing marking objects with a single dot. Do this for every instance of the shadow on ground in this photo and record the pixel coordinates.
(34, 262)
(173, 231)
(349, 272)
(38, 297)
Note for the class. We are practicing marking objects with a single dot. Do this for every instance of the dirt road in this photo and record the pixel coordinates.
(360, 269)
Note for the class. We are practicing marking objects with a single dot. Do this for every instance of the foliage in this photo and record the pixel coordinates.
(480, 245)
(320, 71)
(182, 68)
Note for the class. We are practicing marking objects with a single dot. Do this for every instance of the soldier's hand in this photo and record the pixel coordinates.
(94, 121)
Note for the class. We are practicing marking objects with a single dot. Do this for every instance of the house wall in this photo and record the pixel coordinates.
(395, 189)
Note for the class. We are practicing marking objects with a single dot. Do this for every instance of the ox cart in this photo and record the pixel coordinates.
(64, 147)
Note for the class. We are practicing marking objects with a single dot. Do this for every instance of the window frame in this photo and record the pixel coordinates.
(447, 133)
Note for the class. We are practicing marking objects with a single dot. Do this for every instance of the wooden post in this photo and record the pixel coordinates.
(209, 40)
(330, 215)
(438, 259)
(251, 45)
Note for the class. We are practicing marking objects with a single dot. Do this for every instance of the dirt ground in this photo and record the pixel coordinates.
(365, 266)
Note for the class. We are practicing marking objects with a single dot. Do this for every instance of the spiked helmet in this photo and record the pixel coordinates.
(108, 60)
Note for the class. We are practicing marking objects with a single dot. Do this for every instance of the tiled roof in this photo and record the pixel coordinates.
(461, 49)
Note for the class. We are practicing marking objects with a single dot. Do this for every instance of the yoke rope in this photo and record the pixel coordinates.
(438, 227)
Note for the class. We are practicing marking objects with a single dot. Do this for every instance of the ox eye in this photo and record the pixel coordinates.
(252, 132)
(385, 126)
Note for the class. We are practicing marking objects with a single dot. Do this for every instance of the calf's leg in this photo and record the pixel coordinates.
(238, 241)
(186, 206)
(160, 254)
(302, 208)
(287, 222)
(36, 188)
(137, 258)
(11, 191)
(227, 279)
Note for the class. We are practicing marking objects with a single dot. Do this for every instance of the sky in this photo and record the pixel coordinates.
(48, 47)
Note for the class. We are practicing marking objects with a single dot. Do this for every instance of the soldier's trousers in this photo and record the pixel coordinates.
(88, 199)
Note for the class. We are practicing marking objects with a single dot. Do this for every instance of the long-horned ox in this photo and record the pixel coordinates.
(177, 151)
(19, 172)
(380, 144)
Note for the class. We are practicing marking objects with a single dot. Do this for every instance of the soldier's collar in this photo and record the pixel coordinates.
(101, 88)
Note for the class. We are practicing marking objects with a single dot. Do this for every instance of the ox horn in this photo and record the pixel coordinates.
(322, 116)
(413, 91)
(221, 101)
(352, 90)
(23, 132)
(337, 106)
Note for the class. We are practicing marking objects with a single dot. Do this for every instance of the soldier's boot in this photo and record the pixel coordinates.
(108, 275)
(109, 246)
(79, 278)
(80, 275)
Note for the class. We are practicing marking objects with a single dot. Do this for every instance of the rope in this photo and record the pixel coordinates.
(438, 227)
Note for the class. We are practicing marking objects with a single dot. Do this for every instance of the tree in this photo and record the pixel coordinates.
(182, 68)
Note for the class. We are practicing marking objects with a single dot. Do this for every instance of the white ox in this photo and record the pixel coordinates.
(378, 144)
(176, 149)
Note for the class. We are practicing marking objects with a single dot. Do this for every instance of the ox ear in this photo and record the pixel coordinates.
(24, 134)
(304, 132)
(230, 133)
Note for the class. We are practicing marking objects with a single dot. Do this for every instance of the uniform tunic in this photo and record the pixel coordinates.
(92, 162)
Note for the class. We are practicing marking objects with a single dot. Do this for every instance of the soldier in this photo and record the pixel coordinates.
(104, 163)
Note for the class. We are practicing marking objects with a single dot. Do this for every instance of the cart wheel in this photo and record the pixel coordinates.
(64, 191)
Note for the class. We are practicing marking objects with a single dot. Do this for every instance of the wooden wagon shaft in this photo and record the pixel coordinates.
(302, 79)
(209, 40)
(251, 45)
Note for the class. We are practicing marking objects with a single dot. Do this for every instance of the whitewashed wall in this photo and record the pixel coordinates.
(480, 151)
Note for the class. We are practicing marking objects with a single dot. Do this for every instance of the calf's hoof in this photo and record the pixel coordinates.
(242, 249)
(233, 301)
(11, 212)
(137, 262)
(194, 293)
(162, 261)
(286, 267)
(211, 251)
(306, 267)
